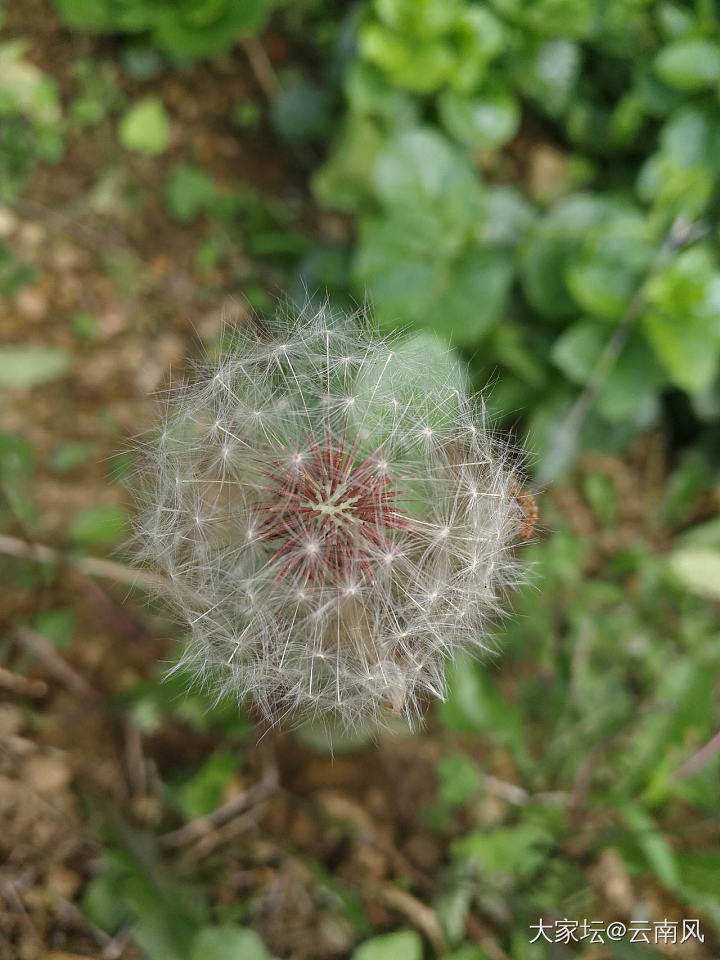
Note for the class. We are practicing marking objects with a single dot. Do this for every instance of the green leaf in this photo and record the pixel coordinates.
(300, 111)
(420, 167)
(482, 122)
(57, 625)
(97, 524)
(658, 852)
(549, 72)
(24, 88)
(146, 127)
(192, 29)
(460, 297)
(682, 320)
(188, 192)
(228, 943)
(615, 256)
(511, 853)
(704, 534)
(16, 457)
(105, 16)
(32, 366)
(629, 388)
(202, 792)
(698, 570)
(70, 455)
(401, 945)
(344, 181)
(460, 778)
(474, 705)
(689, 65)
(550, 246)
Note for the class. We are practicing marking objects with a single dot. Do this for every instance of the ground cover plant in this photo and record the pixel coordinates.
(533, 184)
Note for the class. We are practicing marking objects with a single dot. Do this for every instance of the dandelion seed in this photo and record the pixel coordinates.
(354, 528)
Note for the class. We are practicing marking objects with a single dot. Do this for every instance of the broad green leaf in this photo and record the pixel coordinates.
(468, 952)
(145, 127)
(300, 111)
(401, 945)
(105, 16)
(682, 321)
(25, 89)
(629, 386)
(420, 64)
(193, 29)
(345, 178)
(188, 192)
(32, 366)
(483, 122)
(422, 17)
(97, 524)
(460, 296)
(704, 535)
(420, 167)
(228, 943)
(16, 458)
(564, 17)
(689, 65)
(548, 72)
(698, 570)
(508, 215)
(550, 246)
(608, 270)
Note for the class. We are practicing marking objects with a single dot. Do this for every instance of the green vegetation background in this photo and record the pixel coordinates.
(536, 182)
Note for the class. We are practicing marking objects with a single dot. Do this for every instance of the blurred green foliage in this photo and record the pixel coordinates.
(30, 120)
(185, 30)
(533, 276)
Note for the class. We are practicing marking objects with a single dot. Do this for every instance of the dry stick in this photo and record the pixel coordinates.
(41, 648)
(699, 759)
(24, 687)
(261, 66)
(222, 814)
(680, 234)
(418, 913)
(92, 566)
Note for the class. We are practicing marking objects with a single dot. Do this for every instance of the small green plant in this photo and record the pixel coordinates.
(188, 30)
(31, 123)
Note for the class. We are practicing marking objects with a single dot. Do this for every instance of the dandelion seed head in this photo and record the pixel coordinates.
(334, 518)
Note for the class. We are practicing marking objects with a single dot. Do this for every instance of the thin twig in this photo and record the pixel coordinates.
(261, 66)
(134, 759)
(92, 566)
(41, 648)
(201, 826)
(699, 759)
(23, 686)
(418, 913)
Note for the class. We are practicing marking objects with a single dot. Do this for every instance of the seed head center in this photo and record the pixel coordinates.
(329, 514)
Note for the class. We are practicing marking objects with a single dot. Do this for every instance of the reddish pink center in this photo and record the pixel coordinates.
(329, 515)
